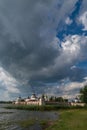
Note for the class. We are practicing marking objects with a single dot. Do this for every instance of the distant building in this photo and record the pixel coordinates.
(33, 100)
(77, 104)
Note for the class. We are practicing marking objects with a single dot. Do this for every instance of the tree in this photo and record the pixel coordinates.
(52, 98)
(59, 99)
(43, 96)
(83, 93)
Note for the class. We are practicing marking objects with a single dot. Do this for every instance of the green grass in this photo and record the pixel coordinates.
(41, 108)
(75, 119)
(26, 123)
(44, 123)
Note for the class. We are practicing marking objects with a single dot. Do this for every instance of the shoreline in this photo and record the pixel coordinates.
(43, 107)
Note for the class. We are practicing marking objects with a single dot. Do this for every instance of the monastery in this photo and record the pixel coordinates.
(33, 100)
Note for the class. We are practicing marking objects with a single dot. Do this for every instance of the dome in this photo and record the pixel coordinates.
(33, 97)
(18, 99)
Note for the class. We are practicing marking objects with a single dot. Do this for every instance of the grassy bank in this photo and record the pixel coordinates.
(42, 108)
(73, 119)
(28, 123)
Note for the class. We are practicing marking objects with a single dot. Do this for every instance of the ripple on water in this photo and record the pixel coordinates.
(13, 116)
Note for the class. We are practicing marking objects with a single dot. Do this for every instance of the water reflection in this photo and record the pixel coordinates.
(8, 117)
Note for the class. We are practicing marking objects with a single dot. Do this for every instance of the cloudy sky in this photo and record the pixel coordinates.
(43, 47)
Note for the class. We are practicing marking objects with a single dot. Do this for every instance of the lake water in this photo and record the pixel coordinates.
(8, 117)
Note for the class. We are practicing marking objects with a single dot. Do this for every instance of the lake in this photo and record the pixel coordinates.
(9, 117)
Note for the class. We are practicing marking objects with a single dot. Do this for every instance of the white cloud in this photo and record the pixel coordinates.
(8, 84)
(73, 67)
(83, 20)
(67, 89)
(72, 89)
(68, 21)
(73, 85)
(73, 50)
(70, 45)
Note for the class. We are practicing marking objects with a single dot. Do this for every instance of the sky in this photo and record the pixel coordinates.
(43, 47)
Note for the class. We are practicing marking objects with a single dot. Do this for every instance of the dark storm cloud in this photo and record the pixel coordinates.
(27, 35)
(21, 46)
